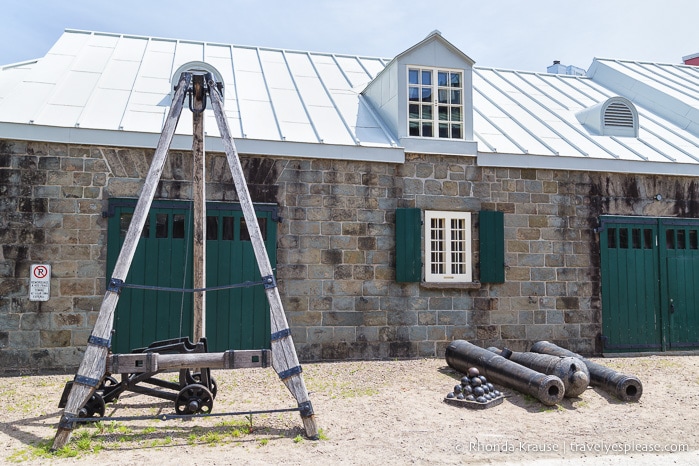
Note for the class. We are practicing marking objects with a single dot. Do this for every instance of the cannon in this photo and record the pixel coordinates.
(572, 371)
(461, 355)
(625, 387)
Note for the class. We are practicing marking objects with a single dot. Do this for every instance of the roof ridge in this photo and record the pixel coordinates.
(643, 62)
(221, 44)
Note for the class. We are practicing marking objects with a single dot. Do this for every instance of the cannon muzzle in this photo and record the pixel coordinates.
(461, 355)
(625, 387)
(572, 371)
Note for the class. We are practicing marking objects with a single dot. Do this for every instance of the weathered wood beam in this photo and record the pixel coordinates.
(199, 196)
(285, 361)
(92, 367)
(154, 362)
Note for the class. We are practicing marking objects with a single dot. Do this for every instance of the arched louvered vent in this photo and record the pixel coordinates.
(618, 114)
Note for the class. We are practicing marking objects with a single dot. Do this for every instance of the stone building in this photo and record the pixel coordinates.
(406, 202)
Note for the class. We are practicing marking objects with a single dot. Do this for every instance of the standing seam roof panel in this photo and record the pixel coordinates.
(272, 103)
(519, 113)
(672, 73)
(565, 123)
(353, 70)
(649, 80)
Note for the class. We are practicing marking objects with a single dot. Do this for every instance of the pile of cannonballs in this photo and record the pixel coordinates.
(474, 387)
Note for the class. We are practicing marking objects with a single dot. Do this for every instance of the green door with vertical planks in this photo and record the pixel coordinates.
(650, 283)
(236, 318)
(680, 251)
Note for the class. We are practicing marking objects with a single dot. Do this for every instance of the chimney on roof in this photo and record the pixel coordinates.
(691, 59)
(571, 70)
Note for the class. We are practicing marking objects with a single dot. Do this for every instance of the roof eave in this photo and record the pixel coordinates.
(549, 162)
(99, 137)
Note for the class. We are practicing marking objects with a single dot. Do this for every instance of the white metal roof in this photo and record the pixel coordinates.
(525, 119)
(115, 89)
(111, 89)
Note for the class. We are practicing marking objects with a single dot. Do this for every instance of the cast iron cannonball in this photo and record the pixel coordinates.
(460, 396)
(481, 399)
(491, 386)
(470, 398)
(450, 395)
(485, 388)
(483, 379)
(467, 389)
(473, 372)
(478, 391)
(476, 382)
(465, 381)
(457, 389)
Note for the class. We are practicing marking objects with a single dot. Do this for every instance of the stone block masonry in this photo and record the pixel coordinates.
(335, 248)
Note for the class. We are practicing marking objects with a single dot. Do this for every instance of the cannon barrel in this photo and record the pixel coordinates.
(625, 387)
(461, 355)
(572, 371)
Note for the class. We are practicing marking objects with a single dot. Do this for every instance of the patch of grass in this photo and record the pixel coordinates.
(111, 428)
(263, 442)
(322, 435)
(237, 428)
(212, 437)
(551, 409)
(298, 439)
(84, 442)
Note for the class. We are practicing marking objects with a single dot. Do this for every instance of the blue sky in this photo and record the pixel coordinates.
(513, 34)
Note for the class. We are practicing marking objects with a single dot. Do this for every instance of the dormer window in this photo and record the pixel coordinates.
(435, 103)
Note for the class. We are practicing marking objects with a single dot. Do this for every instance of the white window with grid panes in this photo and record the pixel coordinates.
(447, 247)
(435, 103)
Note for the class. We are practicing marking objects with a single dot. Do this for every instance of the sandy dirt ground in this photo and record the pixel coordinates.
(377, 412)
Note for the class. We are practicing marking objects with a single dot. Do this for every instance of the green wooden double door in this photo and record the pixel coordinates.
(650, 283)
(236, 318)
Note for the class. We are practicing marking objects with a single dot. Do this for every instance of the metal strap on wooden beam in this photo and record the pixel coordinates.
(103, 342)
(306, 409)
(237, 359)
(283, 333)
(66, 423)
(133, 363)
(290, 372)
(88, 381)
(115, 285)
(269, 282)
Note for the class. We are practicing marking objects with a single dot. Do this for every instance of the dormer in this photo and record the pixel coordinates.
(424, 95)
(615, 116)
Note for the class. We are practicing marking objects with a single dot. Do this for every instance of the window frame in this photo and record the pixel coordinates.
(448, 257)
(436, 106)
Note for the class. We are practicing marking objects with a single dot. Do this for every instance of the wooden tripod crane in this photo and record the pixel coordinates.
(98, 360)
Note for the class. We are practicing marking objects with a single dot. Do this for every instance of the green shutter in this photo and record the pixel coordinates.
(492, 246)
(408, 245)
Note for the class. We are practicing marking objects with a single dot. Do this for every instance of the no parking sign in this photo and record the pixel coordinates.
(40, 282)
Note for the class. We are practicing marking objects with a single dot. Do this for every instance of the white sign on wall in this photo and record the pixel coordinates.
(40, 282)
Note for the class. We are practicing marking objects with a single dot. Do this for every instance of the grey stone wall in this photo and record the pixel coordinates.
(335, 248)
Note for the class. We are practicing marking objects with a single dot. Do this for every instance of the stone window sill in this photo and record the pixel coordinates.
(450, 286)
